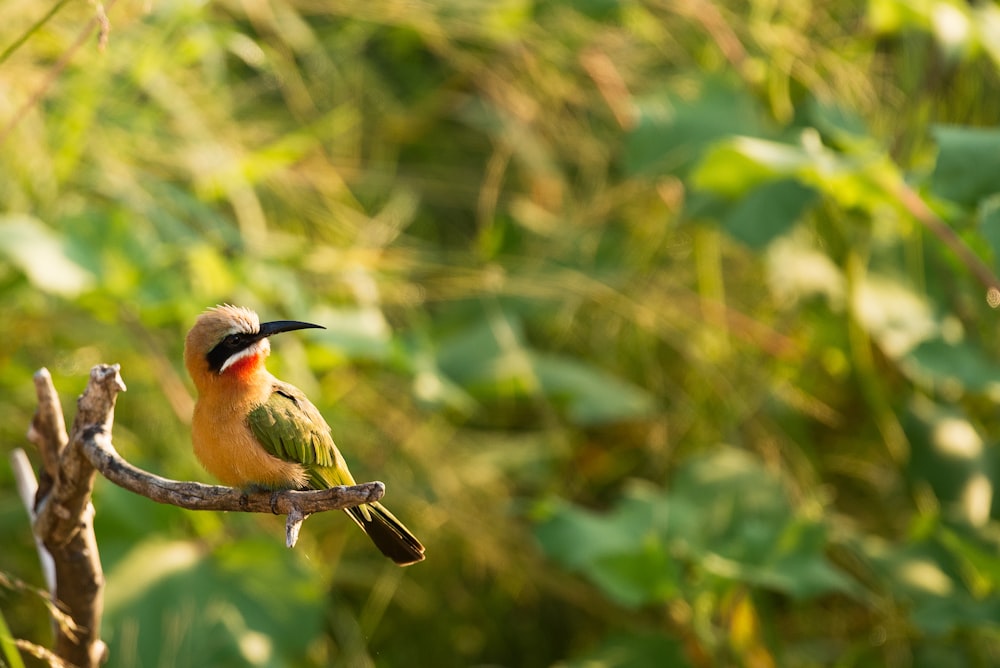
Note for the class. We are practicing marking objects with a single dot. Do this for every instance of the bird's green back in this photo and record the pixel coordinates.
(289, 427)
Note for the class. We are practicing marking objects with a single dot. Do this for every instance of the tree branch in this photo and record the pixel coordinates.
(918, 208)
(64, 514)
(48, 427)
(102, 455)
(65, 517)
(27, 489)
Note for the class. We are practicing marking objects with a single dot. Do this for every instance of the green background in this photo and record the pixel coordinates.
(648, 314)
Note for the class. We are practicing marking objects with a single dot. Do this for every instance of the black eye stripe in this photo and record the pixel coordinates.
(226, 348)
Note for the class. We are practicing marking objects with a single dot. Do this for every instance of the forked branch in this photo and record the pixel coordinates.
(63, 514)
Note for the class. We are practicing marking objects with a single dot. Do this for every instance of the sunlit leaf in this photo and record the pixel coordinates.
(798, 270)
(896, 315)
(360, 332)
(432, 386)
(246, 604)
(40, 254)
(736, 166)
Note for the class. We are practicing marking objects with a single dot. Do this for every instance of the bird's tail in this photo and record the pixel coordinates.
(389, 535)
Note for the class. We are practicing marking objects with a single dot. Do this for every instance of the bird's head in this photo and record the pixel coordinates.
(230, 341)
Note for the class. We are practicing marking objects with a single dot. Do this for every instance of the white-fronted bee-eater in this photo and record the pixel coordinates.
(253, 431)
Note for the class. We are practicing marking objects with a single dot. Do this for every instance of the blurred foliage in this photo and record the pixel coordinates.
(648, 313)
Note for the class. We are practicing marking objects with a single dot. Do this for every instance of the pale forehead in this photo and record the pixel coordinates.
(233, 319)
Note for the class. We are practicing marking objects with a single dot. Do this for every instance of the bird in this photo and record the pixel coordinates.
(255, 432)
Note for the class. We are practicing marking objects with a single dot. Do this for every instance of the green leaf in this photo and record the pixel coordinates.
(247, 603)
(947, 614)
(673, 132)
(977, 552)
(641, 576)
(357, 332)
(579, 537)
(433, 386)
(989, 226)
(725, 514)
(924, 576)
(951, 457)
(768, 212)
(490, 359)
(9, 654)
(742, 510)
(483, 347)
(841, 123)
(590, 395)
(41, 255)
(735, 166)
(803, 573)
(963, 362)
(968, 163)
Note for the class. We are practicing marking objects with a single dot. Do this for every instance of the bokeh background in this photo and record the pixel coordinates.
(664, 322)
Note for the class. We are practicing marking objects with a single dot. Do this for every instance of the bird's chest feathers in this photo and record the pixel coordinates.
(226, 446)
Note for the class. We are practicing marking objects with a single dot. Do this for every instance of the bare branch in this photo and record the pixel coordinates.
(101, 452)
(27, 489)
(48, 427)
(293, 524)
(74, 479)
(64, 520)
(65, 516)
(919, 209)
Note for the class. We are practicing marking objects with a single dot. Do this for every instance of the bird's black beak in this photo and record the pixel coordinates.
(279, 326)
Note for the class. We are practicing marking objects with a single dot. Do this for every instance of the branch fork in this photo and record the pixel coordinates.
(62, 513)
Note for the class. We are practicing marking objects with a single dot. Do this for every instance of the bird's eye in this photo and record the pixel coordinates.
(234, 340)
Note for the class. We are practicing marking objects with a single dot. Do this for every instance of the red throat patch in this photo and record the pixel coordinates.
(245, 368)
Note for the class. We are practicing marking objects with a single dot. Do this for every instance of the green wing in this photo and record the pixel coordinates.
(291, 428)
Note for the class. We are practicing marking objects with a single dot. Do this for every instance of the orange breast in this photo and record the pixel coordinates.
(227, 448)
